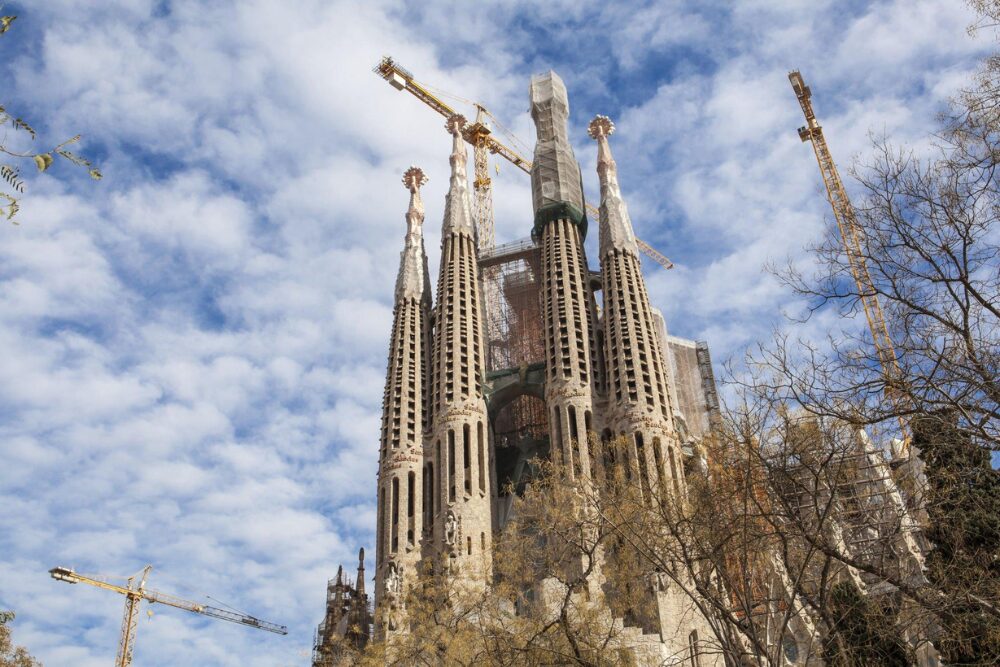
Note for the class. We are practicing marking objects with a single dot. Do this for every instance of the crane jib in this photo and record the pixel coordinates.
(401, 78)
(134, 594)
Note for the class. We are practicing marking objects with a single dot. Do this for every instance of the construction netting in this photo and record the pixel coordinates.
(515, 339)
(511, 275)
(556, 188)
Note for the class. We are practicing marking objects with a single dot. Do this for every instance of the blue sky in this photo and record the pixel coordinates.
(194, 348)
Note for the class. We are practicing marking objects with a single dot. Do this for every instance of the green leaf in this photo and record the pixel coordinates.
(96, 175)
(5, 22)
(19, 124)
(75, 159)
(12, 208)
(9, 174)
(43, 161)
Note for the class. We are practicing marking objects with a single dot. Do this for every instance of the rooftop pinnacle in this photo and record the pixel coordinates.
(413, 179)
(457, 210)
(413, 280)
(616, 227)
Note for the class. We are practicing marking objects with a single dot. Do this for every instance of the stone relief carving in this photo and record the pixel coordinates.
(452, 529)
(394, 580)
(394, 596)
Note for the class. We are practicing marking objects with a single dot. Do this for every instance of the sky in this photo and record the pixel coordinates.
(194, 348)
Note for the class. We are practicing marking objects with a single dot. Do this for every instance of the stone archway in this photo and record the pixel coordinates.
(519, 426)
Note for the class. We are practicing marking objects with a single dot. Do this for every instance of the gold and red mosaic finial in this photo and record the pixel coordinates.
(414, 178)
(455, 124)
(601, 126)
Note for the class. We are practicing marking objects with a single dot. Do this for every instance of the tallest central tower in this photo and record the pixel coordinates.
(568, 311)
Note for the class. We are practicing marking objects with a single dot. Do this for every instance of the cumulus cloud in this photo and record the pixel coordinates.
(194, 348)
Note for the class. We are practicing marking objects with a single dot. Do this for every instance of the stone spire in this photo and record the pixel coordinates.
(413, 281)
(637, 384)
(616, 227)
(360, 584)
(338, 590)
(457, 209)
(458, 451)
(568, 304)
(400, 475)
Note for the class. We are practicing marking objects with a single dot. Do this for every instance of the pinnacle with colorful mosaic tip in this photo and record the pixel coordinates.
(458, 208)
(615, 225)
(414, 178)
(601, 126)
(413, 281)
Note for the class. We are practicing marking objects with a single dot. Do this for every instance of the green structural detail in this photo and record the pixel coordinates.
(559, 211)
(503, 372)
(504, 385)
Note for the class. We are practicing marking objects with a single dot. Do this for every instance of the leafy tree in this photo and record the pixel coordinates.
(10, 655)
(863, 635)
(542, 606)
(963, 507)
(16, 156)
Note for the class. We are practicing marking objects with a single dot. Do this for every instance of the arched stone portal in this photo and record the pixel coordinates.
(519, 425)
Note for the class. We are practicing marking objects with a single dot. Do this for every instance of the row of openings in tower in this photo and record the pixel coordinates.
(626, 454)
(447, 464)
(626, 305)
(409, 320)
(574, 444)
(459, 320)
(473, 464)
(565, 268)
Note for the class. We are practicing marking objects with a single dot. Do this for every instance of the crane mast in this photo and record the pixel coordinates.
(479, 134)
(482, 184)
(852, 238)
(135, 594)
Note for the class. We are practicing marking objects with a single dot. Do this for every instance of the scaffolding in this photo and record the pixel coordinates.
(844, 485)
(511, 277)
(693, 384)
(347, 624)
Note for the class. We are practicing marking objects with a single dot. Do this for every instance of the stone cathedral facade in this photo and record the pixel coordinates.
(524, 352)
(513, 358)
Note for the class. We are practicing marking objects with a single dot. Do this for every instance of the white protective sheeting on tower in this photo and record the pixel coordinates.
(555, 174)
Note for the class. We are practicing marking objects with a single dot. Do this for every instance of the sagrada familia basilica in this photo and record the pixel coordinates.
(525, 354)
(513, 359)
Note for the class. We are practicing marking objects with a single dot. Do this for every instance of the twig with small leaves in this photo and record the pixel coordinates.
(10, 172)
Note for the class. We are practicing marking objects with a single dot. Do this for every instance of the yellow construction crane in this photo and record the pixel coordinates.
(852, 237)
(479, 134)
(136, 593)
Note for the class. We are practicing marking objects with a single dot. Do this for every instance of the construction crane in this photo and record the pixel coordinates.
(134, 594)
(852, 237)
(480, 135)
